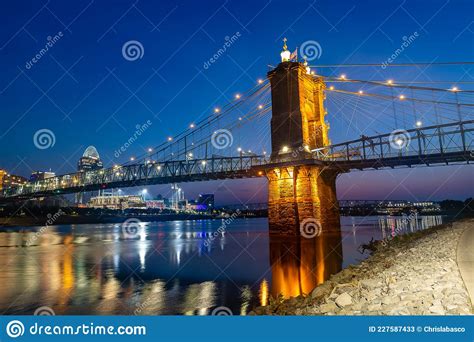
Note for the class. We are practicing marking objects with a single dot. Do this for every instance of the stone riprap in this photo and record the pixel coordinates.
(414, 274)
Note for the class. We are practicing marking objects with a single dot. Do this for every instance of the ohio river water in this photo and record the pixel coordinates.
(170, 268)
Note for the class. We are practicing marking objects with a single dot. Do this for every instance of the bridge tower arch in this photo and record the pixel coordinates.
(302, 191)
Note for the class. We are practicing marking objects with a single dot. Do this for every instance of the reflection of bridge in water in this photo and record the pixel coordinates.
(288, 266)
(303, 165)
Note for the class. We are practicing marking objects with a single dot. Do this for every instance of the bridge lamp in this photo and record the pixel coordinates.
(190, 155)
(239, 149)
(203, 162)
(390, 82)
(454, 89)
(240, 119)
(132, 158)
(285, 149)
(419, 123)
(402, 97)
(361, 91)
(191, 125)
(237, 96)
(249, 151)
(260, 107)
(158, 167)
(260, 81)
(264, 152)
(170, 138)
(399, 142)
(331, 88)
(216, 110)
(343, 77)
(149, 149)
(260, 173)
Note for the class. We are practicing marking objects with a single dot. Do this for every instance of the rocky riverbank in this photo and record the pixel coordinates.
(413, 274)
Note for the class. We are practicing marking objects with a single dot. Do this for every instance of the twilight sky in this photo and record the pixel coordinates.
(85, 91)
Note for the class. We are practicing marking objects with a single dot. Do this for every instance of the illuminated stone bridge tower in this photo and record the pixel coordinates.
(302, 191)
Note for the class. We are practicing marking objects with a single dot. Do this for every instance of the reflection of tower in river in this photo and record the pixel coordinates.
(299, 264)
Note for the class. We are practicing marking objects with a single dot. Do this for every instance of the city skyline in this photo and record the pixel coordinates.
(92, 100)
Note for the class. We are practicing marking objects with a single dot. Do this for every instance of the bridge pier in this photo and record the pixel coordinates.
(302, 194)
(302, 200)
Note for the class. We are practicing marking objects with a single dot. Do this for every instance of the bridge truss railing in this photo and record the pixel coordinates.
(434, 141)
(150, 172)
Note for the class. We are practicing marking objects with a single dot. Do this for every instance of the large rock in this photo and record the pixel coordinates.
(369, 284)
(343, 300)
(322, 290)
(437, 310)
(329, 307)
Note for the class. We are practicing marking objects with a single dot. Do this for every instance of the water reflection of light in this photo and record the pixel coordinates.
(263, 293)
(407, 224)
(246, 296)
(142, 248)
(199, 298)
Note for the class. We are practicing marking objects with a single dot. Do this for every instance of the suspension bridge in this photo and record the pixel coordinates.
(278, 129)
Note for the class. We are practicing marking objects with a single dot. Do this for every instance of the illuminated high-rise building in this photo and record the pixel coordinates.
(90, 161)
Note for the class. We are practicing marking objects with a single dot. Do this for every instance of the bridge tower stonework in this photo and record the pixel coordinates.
(302, 193)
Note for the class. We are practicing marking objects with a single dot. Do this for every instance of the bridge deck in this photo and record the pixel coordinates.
(435, 145)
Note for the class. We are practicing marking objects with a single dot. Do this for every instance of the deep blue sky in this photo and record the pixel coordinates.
(178, 37)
